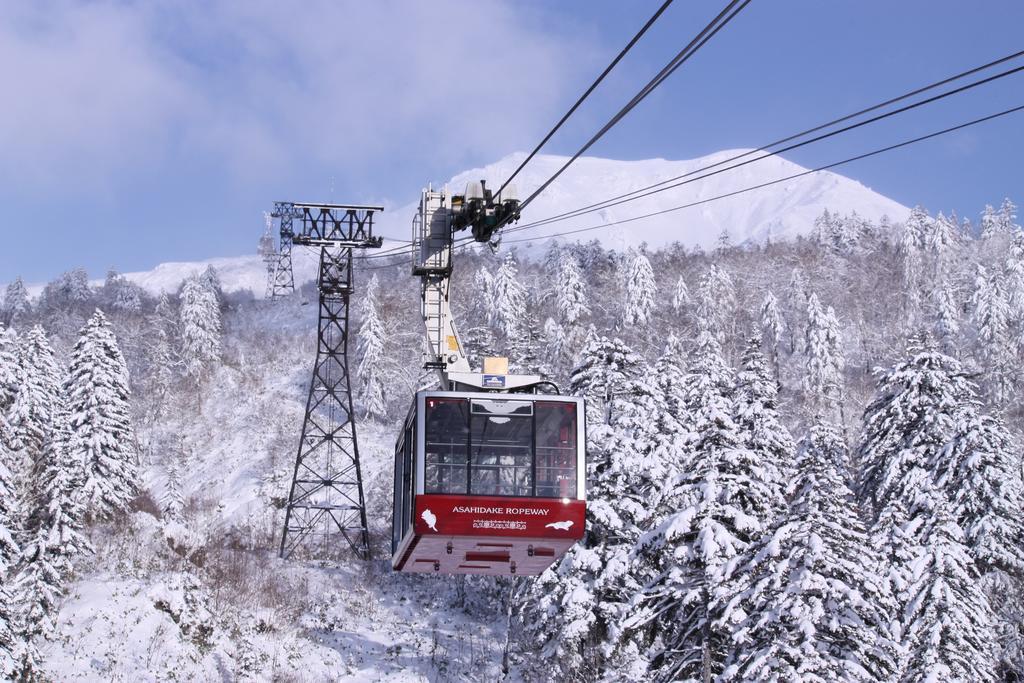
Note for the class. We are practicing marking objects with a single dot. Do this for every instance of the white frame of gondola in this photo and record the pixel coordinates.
(419, 455)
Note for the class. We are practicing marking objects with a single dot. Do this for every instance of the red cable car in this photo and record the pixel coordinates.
(488, 483)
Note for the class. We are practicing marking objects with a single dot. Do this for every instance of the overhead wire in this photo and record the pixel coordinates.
(664, 185)
(586, 94)
(731, 10)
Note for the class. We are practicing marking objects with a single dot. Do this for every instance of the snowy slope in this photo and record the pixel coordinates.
(777, 211)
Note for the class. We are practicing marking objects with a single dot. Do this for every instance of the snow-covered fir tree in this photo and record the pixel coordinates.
(680, 296)
(16, 303)
(172, 504)
(908, 424)
(570, 289)
(712, 511)
(162, 369)
(370, 354)
(947, 319)
(164, 315)
(641, 291)
(769, 445)
(716, 300)
(947, 620)
(796, 310)
(36, 409)
(811, 607)
(990, 316)
(979, 473)
(906, 428)
(771, 331)
(211, 278)
(100, 434)
(602, 367)
(46, 564)
(200, 327)
(507, 310)
(8, 368)
(9, 554)
(823, 381)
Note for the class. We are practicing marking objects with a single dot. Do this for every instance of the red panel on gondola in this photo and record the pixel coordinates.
(499, 517)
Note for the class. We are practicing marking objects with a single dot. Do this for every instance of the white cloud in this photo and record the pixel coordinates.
(100, 92)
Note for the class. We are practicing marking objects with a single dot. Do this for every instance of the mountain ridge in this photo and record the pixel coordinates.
(780, 211)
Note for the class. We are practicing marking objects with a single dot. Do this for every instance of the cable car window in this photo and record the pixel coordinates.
(407, 480)
(396, 520)
(556, 449)
(501, 438)
(447, 445)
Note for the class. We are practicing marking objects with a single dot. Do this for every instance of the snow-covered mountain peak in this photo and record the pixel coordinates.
(777, 211)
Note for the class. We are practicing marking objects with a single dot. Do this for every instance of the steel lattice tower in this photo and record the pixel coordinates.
(326, 497)
(283, 281)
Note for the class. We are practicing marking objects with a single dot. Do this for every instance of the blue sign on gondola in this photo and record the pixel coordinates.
(494, 381)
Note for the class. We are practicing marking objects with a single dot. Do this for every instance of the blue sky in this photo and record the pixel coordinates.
(137, 133)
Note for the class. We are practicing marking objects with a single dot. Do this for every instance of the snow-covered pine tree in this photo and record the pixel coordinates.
(8, 369)
(211, 278)
(602, 369)
(35, 412)
(680, 296)
(947, 619)
(118, 294)
(911, 250)
(508, 310)
(46, 562)
(769, 445)
(172, 504)
(990, 226)
(9, 554)
(571, 289)
(1008, 216)
(906, 427)
(641, 291)
(979, 473)
(703, 524)
(771, 332)
(100, 434)
(555, 336)
(370, 354)
(16, 303)
(908, 424)
(811, 607)
(670, 378)
(200, 327)
(939, 241)
(796, 310)
(164, 314)
(990, 316)
(716, 300)
(947, 318)
(823, 381)
(161, 375)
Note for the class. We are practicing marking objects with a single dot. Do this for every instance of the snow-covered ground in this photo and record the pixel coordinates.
(168, 601)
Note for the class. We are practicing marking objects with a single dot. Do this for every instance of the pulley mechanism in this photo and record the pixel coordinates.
(480, 211)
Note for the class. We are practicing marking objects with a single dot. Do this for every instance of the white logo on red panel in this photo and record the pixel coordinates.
(561, 526)
(431, 519)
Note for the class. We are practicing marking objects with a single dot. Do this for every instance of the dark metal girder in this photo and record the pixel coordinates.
(326, 496)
